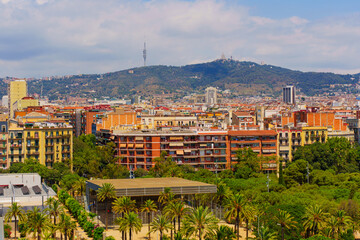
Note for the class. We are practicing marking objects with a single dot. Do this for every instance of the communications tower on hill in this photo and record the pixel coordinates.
(144, 54)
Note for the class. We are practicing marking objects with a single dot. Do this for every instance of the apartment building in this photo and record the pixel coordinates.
(290, 139)
(155, 121)
(315, 119)
(212, 150)
(310, 135)
(17, 90)
(3, 141)
(46, 142)
(263, 142)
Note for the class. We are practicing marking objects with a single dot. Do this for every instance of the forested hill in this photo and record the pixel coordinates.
(244, 78)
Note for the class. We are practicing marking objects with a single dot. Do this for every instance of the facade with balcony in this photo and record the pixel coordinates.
(46, 142)
(212, 150)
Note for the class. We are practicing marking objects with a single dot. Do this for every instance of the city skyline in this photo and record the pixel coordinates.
(48, 37)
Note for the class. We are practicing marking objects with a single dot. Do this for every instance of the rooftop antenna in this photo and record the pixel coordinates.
(144, 54)
(41, 91)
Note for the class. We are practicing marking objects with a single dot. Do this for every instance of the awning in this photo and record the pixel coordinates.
(179, 152)
(123, 145)
(139, 145)
(130, 145)
(187, 151)
(203, 145)
(176, 144)
(139, 138)
(176, 138)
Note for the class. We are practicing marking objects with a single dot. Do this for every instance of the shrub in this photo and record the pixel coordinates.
(98, 233)
(7, 231)
(79, 213)
(55, 188)
(110, 238)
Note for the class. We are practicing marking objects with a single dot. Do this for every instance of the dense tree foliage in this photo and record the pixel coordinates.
(316, 197)
(336, 154)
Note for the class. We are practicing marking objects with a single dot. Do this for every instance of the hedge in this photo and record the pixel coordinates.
(79, 213)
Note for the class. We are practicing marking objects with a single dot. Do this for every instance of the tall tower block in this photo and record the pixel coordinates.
(16, 90)
(289, 94)
(144, 54)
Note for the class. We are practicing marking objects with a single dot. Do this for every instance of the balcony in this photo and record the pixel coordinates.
(52, 137)
(15, 145)
(15, 138)
(33, 153)
(32, 145)
(16, 154)
(32, 137)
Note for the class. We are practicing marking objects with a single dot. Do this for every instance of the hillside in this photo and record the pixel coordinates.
(243, 78)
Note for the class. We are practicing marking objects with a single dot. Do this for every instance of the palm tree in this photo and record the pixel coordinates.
(200, 221)
(166, 197)
(176, 209)
(332, 225)
(224, 233)
(123, 205)
(149, 206)
(67, 226)
(106, 192)
(37, 221)
(54, 209)
(179, 236)
(49, 234)
(221, 193)
(80, 186)
(249, 213)
(15, 211)
(314, 219)
(285, 220)
(266, 234)
(343, 221)
(130, 222)
(235, 208)
(160, 223)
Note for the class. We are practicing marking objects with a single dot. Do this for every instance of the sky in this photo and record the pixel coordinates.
(41, 38)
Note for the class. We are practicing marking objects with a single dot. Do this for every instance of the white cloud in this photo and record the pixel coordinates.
(45, 37)
(41, 2)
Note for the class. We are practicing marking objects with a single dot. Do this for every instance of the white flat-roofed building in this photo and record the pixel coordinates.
(23, 188)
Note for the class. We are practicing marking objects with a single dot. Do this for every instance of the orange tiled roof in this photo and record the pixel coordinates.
(253, 132)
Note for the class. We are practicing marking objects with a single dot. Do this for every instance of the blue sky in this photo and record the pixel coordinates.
(60, 37)
(309, 9)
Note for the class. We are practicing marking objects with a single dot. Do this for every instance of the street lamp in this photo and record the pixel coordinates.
(260, 234)
(268, 182)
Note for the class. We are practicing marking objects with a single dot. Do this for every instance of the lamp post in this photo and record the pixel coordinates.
(307, 173)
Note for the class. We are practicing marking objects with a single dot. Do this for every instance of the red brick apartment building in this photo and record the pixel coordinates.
(212, 150)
